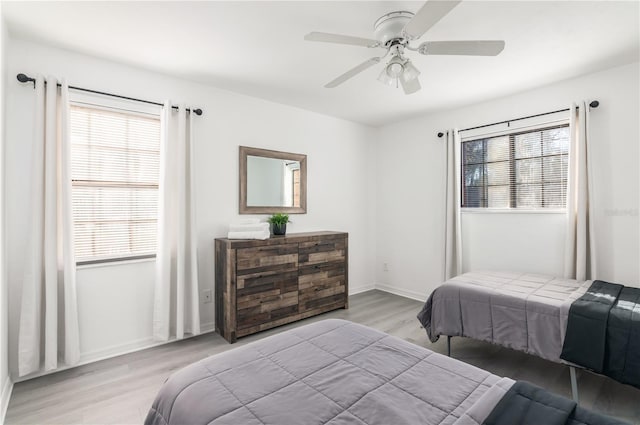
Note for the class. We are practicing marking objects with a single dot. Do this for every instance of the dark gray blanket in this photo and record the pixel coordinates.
(622, 359)
(527, 404)
(585, 340)
(603, 332)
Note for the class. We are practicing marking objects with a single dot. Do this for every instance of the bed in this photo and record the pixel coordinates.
(337, 372)
(523, 311)
(531, 313)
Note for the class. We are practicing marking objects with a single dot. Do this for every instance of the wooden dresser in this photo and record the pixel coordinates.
(263, 284)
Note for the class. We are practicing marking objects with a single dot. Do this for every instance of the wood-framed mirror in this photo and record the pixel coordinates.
(272, 182)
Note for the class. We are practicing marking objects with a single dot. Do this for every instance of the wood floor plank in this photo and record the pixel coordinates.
(120, 390)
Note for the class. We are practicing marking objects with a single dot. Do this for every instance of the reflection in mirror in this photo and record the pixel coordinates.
(272, 181)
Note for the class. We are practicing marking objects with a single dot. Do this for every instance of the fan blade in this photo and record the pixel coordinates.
(352, 72)
(341, 39)
(428, 15)
(411, 86)
(470, 47)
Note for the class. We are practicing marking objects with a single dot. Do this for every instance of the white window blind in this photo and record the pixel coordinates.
(115, 159)
(526, 170)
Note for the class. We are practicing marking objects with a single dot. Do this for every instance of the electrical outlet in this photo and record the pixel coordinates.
(206, 296)
(385, 267)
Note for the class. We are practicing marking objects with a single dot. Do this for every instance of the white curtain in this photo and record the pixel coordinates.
(580, 251)
(176, 307)
(49, 312)
(453, 236)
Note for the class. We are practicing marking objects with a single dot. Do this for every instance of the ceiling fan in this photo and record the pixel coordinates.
(394, 32)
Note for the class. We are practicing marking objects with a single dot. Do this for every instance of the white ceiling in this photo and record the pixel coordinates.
(257, 48)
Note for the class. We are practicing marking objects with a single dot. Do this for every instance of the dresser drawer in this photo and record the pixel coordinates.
(265, 297)
(321, 251)
(272, 309)
(275, 258)
(321, 284)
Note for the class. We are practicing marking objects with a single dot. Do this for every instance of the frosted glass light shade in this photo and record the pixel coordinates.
(399, 70)
(395, 69)
(411, 86)
(410, 72)
(384, 77)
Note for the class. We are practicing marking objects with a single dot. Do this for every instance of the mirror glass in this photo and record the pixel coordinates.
(272, 181)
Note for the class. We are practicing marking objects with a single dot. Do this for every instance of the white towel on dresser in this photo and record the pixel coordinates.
(262, 235)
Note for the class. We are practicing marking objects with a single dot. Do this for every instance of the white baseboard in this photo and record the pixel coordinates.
(402, 292)
(118, 350)
(360, 289)
(391, 289)
(207, 327)
(133, 346)
(5, 396)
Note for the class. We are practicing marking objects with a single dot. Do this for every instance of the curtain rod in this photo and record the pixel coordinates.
(593, 104)
(25, 79)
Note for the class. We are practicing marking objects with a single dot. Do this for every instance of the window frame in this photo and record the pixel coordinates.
(100, 102)
(511, 133)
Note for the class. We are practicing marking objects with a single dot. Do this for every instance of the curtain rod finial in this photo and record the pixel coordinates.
(23, 78)
(440, 134)
(594, 104)
(198, 111)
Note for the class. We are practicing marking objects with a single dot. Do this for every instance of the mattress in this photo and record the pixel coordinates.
(330, 372)
(522, 311)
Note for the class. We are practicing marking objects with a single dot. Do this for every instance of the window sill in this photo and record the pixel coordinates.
(510, 211)
(115, 262)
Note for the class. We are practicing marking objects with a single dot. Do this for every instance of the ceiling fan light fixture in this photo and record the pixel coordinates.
(411, 86)
(395, 32)
(384, 78)
(392, 71)
(410, 72)
(395, 69)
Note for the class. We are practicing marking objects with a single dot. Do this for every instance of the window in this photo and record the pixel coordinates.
(291, 179)
(296, 186)
(520, 170)
(115, 161)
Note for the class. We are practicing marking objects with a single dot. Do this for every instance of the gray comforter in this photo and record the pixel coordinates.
(330, 372)
(526, 312)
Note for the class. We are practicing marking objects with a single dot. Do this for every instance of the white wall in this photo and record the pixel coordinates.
(5, 381)
(115, 301)
(410, 195)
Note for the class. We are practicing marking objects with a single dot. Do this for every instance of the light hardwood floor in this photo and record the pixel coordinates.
(120, 390)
